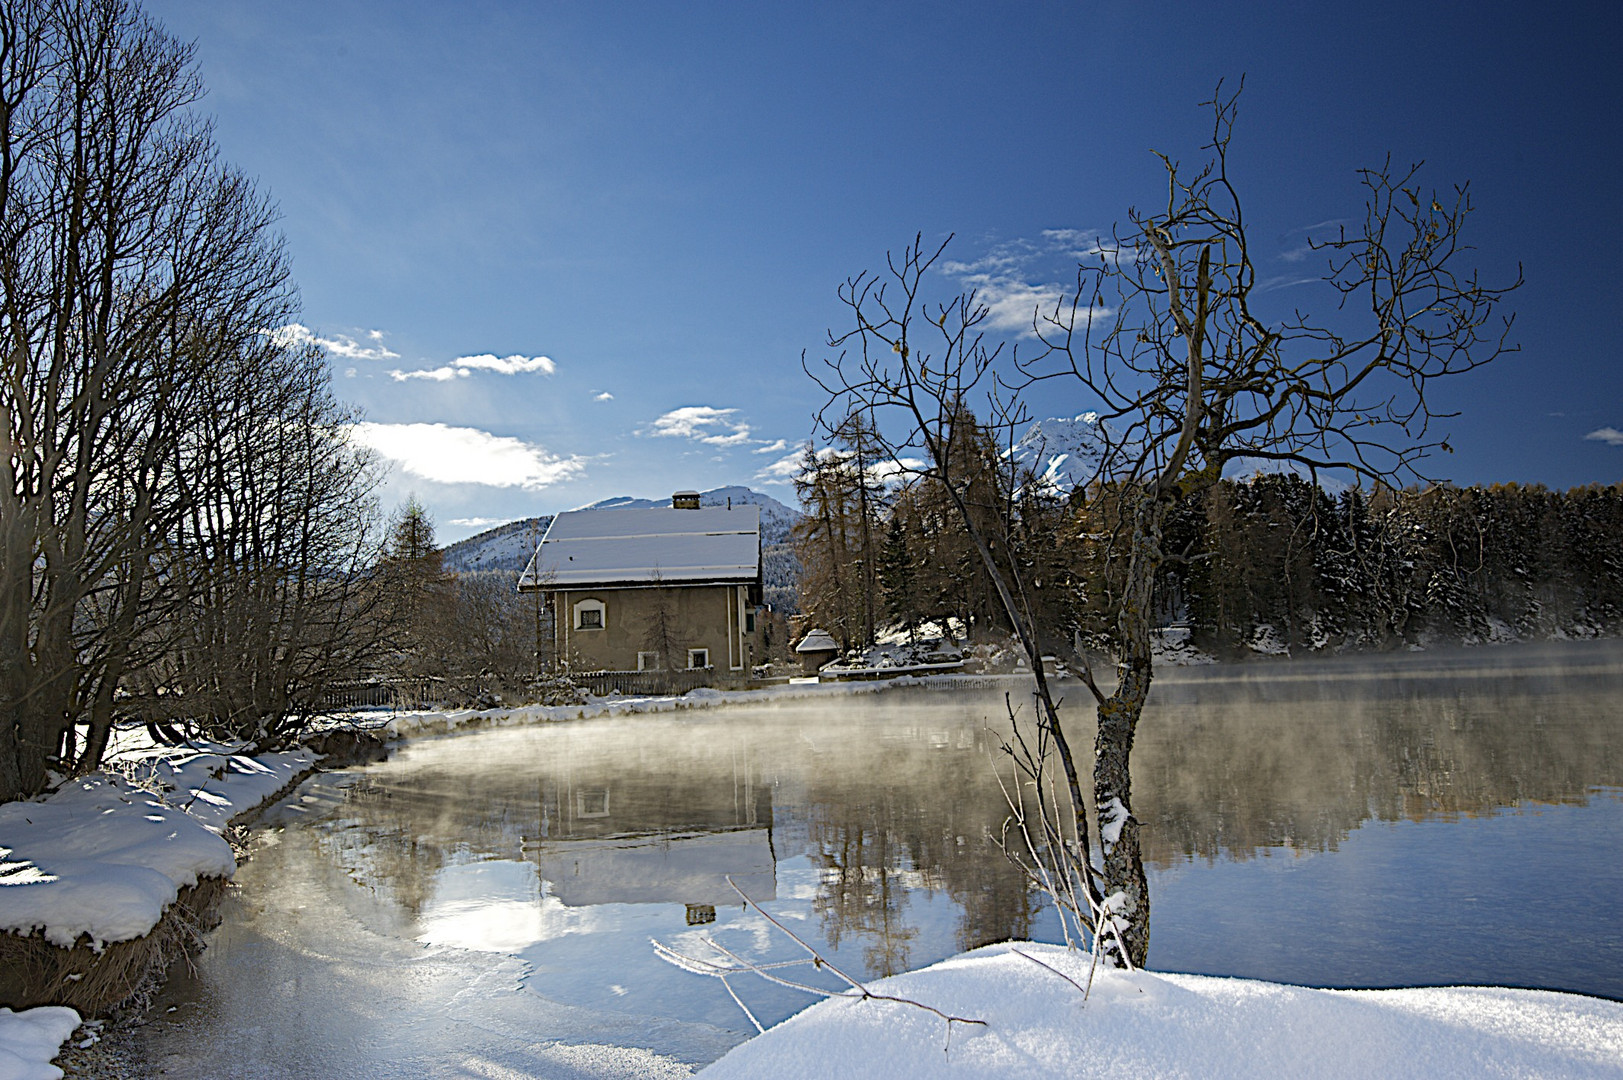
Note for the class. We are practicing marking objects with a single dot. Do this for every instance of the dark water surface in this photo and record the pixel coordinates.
(483, 905)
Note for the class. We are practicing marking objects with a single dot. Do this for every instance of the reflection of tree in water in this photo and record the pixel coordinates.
(378, 839)
(917, 810)
(1299, 763)
(861, 891)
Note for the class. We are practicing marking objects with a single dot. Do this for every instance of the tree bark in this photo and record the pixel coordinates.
(1126, 888)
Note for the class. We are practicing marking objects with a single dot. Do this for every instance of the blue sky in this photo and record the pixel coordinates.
(593, 239)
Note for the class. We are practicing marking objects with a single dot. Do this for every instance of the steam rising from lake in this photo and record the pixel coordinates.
(1395, 820)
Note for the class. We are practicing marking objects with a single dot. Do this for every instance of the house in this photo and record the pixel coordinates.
(652, 589)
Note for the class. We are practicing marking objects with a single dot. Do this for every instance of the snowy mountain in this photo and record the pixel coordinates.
(1062, 452)
(776, 518)
(506, 547)
(1247, 469)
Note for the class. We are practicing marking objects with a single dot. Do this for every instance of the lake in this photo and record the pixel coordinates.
(485, 904)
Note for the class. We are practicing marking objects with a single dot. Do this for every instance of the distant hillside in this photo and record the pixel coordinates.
(509, 547)
(506, 547)
(776, 518)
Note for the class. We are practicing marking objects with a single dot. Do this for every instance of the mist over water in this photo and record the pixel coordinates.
(1375, 821)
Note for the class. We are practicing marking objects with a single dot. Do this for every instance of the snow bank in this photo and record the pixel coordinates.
(1144, 1024)
(104, 856)
(31, 1038)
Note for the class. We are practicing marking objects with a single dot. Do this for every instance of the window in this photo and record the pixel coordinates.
(648, 661)
(749, 622)
(698, 658)
(589, 615)
(592, 802)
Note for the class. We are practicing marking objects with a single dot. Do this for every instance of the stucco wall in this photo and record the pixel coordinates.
(704, 617)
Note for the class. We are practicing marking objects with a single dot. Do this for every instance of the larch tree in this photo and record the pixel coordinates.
(1167, 332)
(836, 543)
(419, 594)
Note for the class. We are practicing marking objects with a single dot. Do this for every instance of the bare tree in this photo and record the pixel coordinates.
(663, 633)
(133, 264)
(127, 252)
(494, 629)
(1189, 373)
(270, 565)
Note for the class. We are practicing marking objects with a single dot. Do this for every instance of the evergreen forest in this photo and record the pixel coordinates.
(1272, 564)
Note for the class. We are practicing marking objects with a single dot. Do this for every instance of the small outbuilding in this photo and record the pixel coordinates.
(816, 649)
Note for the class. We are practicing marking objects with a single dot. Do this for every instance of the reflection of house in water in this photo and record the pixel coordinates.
(656, 838)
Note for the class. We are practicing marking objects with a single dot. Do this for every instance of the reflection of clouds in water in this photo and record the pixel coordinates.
(497, 906)
(798, 884)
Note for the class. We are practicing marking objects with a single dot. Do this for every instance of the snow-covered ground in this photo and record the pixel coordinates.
(102, 858)
(31, 1038)
(1139, 1024)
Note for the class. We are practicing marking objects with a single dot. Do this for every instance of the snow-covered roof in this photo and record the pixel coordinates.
(644, 545)
(817, 641)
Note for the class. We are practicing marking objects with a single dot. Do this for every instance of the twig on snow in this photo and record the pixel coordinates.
(765, 970)
(1085, 989)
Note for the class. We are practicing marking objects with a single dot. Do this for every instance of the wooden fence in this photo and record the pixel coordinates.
(637, 683)
(408, 693)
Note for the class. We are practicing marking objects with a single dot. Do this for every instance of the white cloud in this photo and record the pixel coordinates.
(463, 366)
(1285, 281)
(1608, 435)
(1012, 304)
(771, 447)
(1087, 245)
(439, 374)
(604, 396)
(1009, 278)
(506, 365)
(701, 423)
(295, 334)
(782, 471)
(888, 473)
(479, 522)
(896, 472)
(1301, 240)
(456, 455)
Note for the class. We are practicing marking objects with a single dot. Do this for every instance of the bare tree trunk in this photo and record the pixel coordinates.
(1113, 744)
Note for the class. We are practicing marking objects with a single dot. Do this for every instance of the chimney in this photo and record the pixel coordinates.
(685, 500)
